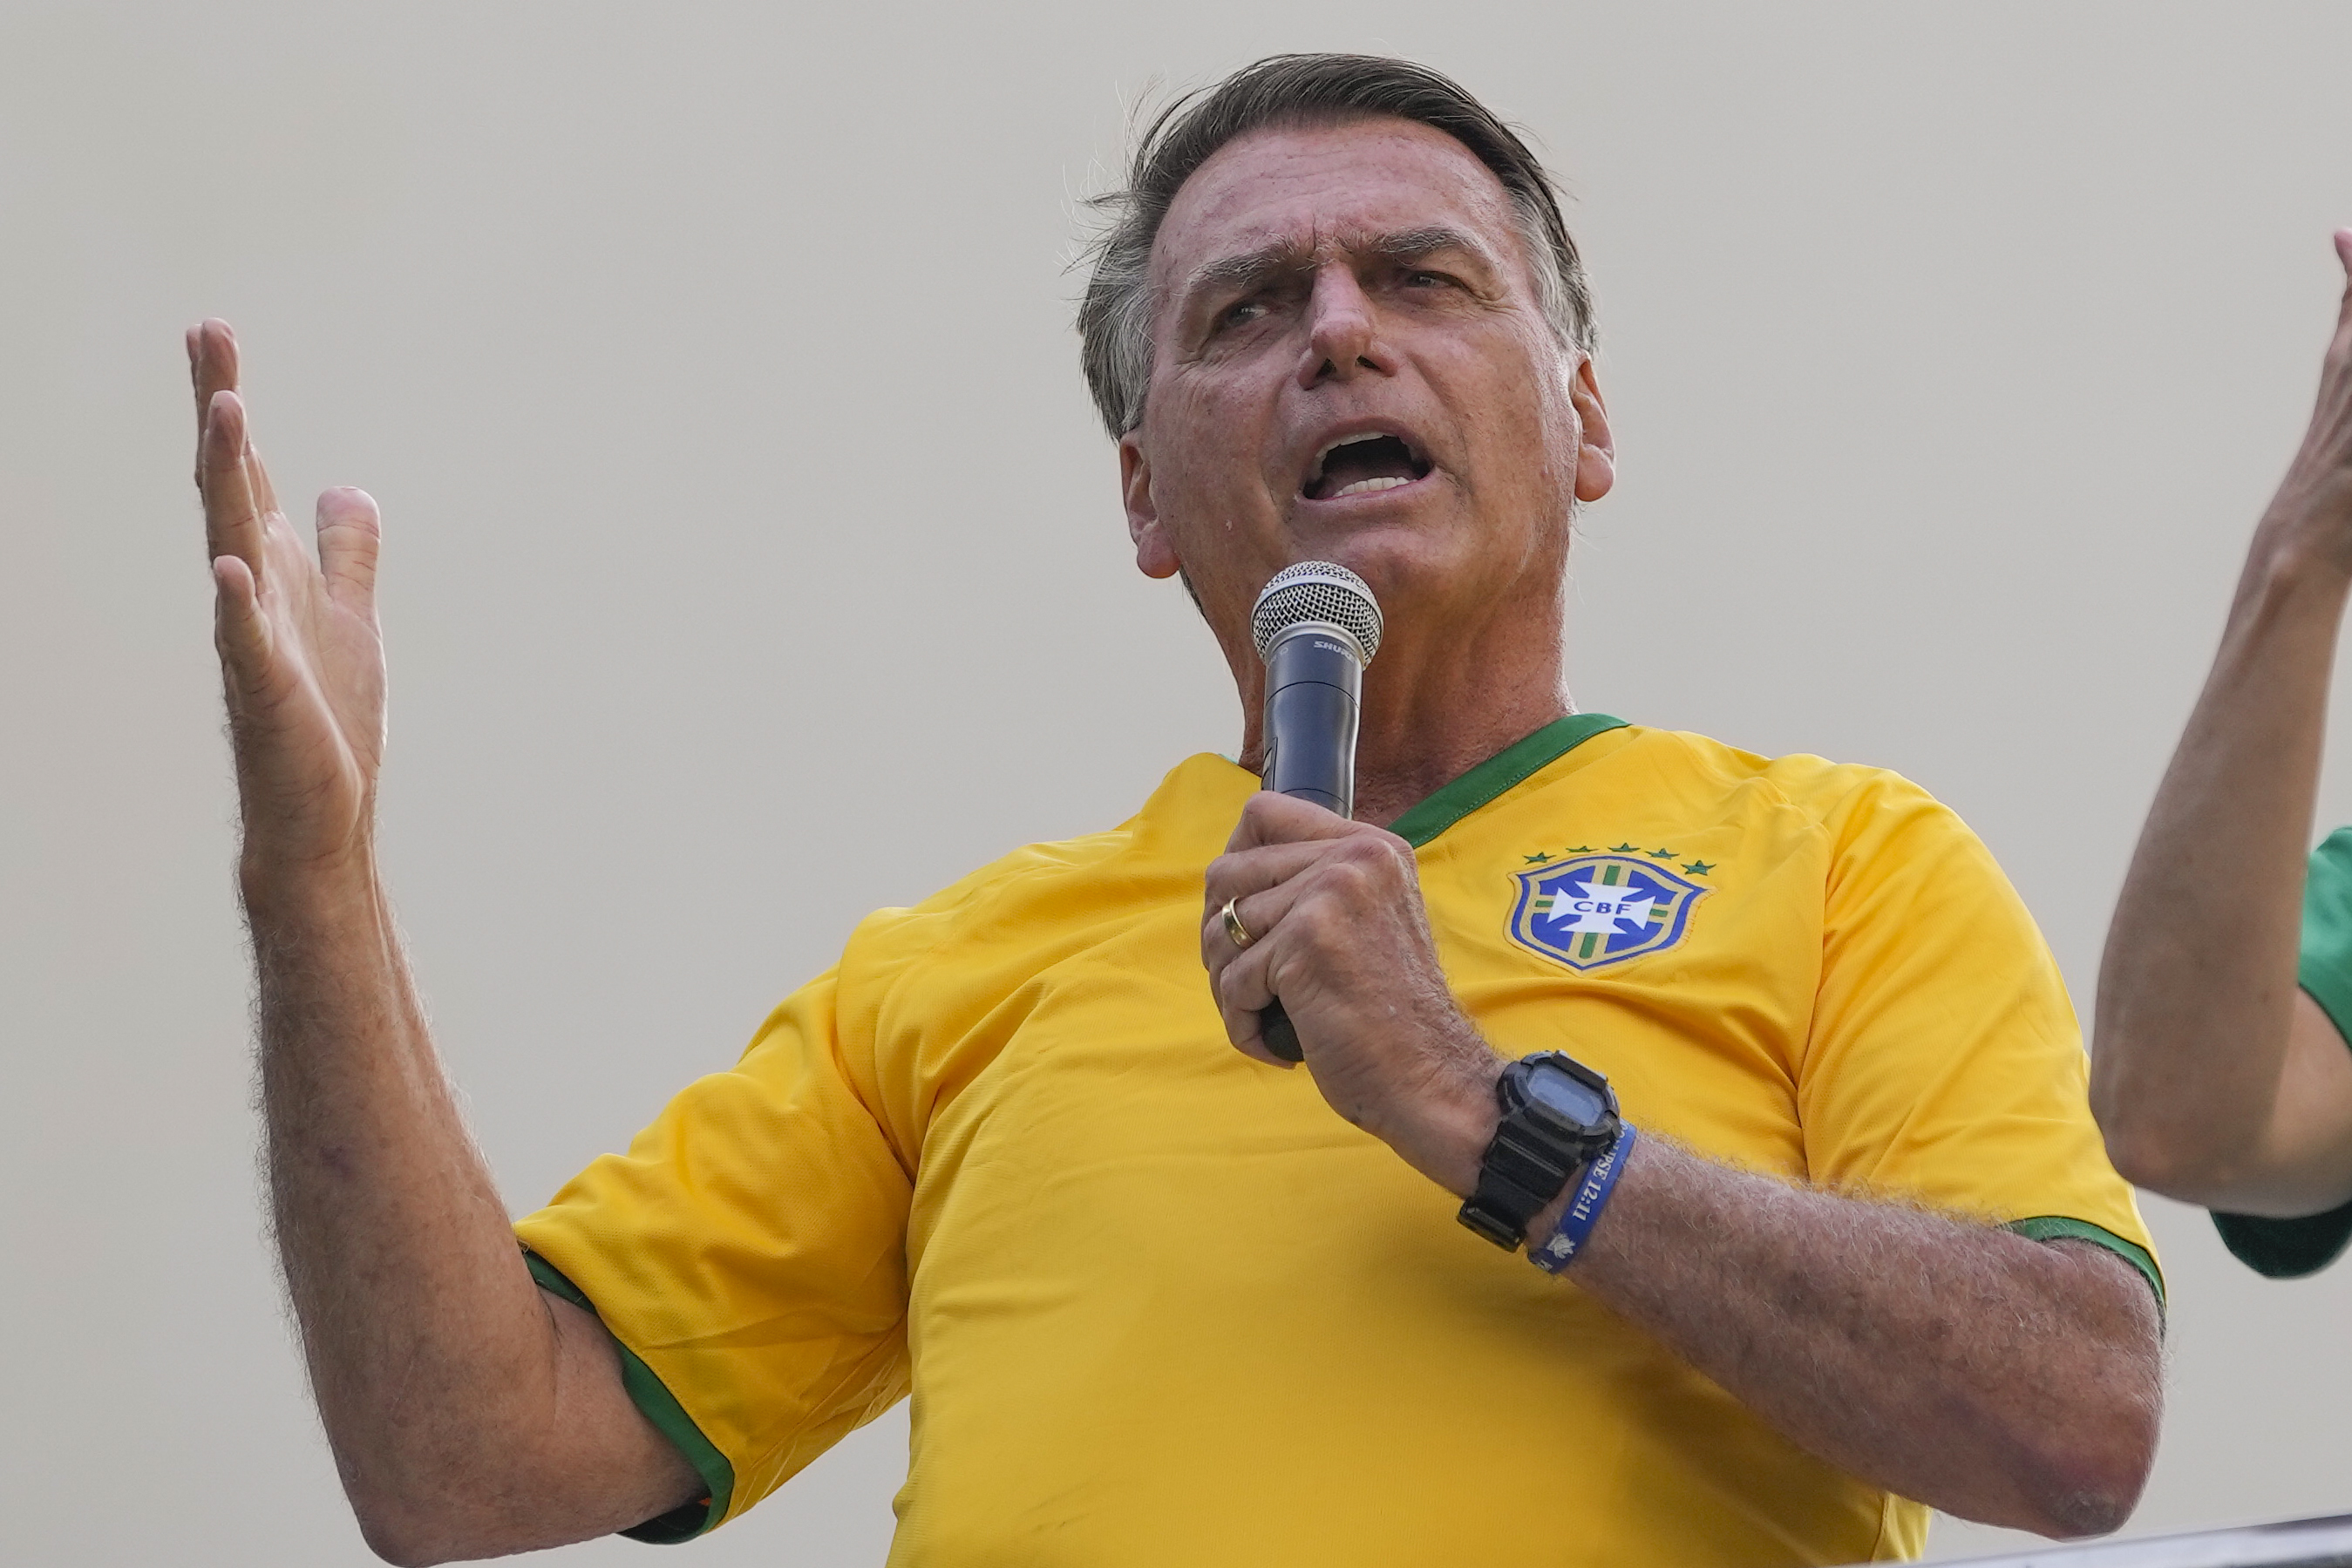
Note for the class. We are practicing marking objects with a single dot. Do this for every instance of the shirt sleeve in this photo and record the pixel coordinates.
(2288, 1248)
(748, 1254)
(1944, 1066)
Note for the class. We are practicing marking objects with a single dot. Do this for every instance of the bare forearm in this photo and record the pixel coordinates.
(1991, 1376)
(2197, 988)
(380, 1201)
(437, 1365)
(402, 1271)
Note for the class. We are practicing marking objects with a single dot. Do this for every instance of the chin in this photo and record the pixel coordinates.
(1403, 559)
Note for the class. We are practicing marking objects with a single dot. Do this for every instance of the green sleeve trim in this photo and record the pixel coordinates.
(1507, 769)
(662, 1408)
(2061, 1227)
(2285, 1249)
(2324, 964)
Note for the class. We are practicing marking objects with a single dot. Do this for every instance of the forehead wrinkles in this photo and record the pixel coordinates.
(1389, 170)
(1296, 255)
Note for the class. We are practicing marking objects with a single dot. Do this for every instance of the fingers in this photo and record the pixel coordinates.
(1243, 1029)
(1265, 883)
(1244, 986)
(1239, 873)
(239, 500)
(1335, 906)
(1269, 819)
(1246, 868)
(1259, 913)
(239, 631)
(350, 529)
(1242, 991)
(193, 338)
(1262, 885)
(1246, 977)
(1243, 982)
(1238, 971)
(212, 369)
(2344, 254)
(232, 514)
(256, 480)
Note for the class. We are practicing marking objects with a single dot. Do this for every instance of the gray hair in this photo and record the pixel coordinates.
(1115, 317)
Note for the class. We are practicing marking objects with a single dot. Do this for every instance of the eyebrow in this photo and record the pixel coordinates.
(1253, 267)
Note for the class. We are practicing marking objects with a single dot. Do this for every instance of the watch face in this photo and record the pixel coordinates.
(1564, 1098)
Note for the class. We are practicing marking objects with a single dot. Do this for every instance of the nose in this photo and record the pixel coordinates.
(1343, 338)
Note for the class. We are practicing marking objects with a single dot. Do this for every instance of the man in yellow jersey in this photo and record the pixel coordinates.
(1761, 1061)
(2225, 998)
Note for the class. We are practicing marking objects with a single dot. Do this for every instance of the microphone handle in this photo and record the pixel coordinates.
(1313, 675)
(1278, 1034)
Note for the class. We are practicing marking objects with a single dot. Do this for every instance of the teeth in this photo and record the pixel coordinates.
(1366, 486)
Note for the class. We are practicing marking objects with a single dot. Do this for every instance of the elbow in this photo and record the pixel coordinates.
(2180, 1168)
(399, 1538)
(2141, 1153)
(2086, 1511)
(2088, 1481)
(2145, 1158)
(418, 1527)
(2183, 1162)
(2196, 1138)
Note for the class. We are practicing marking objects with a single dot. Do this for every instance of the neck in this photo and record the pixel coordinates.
(1434, 708)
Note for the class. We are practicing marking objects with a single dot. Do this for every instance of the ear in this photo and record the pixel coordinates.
(1596, 454)
(1155, 555)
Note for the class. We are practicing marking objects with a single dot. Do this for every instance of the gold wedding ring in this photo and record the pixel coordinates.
(1234, 926)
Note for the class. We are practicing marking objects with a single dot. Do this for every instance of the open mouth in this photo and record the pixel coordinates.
(1362, 465)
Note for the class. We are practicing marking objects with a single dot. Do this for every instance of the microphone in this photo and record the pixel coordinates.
(1317, 625)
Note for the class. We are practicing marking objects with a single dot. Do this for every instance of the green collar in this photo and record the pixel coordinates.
(1509, 767)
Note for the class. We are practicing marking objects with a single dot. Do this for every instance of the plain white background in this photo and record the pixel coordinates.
(752, 559)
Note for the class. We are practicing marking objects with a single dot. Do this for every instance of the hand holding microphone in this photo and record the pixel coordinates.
(1317, 625)
(1328, 912)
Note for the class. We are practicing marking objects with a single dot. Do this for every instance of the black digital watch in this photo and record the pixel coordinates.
(1559, 1116)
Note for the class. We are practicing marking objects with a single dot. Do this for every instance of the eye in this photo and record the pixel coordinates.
(1240, 313)
(1421, 278)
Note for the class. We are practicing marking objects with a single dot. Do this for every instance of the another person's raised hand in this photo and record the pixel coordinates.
(302, 655)
(2313, 503)
(2215, 1078)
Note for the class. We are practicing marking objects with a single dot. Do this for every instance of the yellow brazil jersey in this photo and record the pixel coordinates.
(1158, 1305)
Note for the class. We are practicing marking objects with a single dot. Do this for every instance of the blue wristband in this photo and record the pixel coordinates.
(1576, 1221)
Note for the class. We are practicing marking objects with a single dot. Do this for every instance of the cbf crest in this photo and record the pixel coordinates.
(1593, 910)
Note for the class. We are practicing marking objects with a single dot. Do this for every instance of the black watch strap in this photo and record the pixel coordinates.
(1516, 1181)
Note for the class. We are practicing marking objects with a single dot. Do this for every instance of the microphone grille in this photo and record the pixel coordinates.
(1316, 590)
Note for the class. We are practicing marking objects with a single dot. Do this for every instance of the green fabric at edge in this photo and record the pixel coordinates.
(2059, 1228)
(1515, 764)
(2290, 1249)
(662, 1408)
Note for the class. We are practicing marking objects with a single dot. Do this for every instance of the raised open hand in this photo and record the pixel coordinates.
(2315, 499)
(301, 656)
